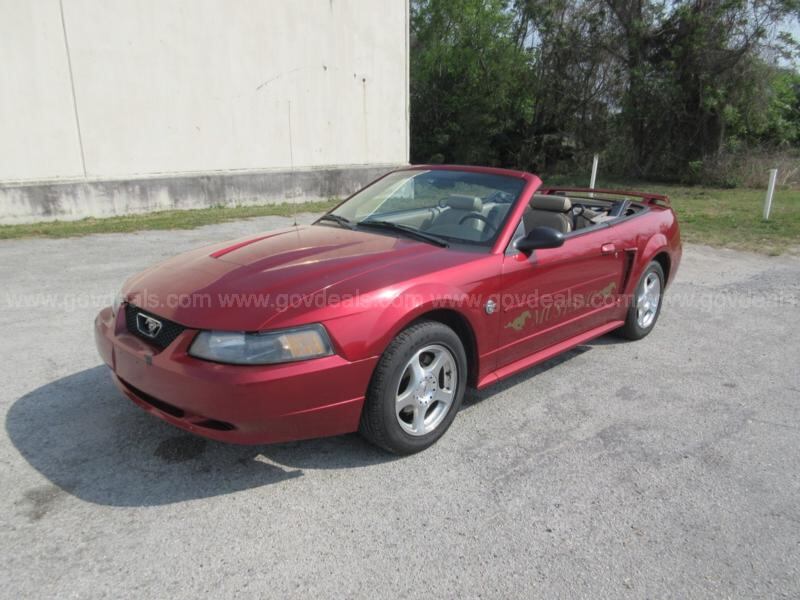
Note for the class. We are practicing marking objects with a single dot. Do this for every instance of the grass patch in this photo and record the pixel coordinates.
(168, 219)
(733, 218)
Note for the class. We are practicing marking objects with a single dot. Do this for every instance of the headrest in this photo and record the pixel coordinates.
(464, 203)
(552, 203)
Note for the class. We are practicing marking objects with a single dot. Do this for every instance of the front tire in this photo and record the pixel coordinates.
(416, 389)
(645, 306)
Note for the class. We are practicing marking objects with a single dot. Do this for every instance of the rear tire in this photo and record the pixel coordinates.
(645, 305)
(416, 389)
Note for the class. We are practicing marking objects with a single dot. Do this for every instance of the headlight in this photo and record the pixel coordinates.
(269, 347)
(117, 303)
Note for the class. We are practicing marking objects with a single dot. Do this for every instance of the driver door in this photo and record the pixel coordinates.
(555, 294)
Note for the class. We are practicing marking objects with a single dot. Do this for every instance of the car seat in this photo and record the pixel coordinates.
(548, 211)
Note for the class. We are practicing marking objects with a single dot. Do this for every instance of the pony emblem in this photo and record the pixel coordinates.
(518, 324)
(608, 290)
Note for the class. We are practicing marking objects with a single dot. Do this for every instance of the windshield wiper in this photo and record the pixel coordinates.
(410, 231)
(337, 219)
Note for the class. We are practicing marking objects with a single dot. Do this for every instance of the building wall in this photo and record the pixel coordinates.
(38, 134)
(94, 92)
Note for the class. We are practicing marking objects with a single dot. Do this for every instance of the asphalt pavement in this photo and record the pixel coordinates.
(661, 468)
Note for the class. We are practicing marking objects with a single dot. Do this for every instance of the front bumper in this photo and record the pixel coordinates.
(240, 404)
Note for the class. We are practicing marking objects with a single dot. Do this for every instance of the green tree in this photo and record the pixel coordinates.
(468, 81)
(574, 80)
(686, 66)
(659, 86)
(768, 111)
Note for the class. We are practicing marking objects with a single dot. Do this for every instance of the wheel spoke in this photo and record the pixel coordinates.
(417, 371)
(419, 420)
(436, 365)
(405, 399)
(443, 396)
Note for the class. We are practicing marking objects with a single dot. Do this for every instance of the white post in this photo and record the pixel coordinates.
(773, 175)
(594, 173)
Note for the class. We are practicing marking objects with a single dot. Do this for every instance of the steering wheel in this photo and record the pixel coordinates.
(479, 217)
(498, 197)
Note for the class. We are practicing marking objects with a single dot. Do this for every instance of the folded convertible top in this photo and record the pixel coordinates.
(659, 199)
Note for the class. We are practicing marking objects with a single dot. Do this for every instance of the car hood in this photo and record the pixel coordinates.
(245, 284)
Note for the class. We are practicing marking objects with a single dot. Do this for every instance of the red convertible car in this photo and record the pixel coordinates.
(377, 317)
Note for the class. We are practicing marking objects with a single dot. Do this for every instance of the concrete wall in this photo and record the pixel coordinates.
(97, 94)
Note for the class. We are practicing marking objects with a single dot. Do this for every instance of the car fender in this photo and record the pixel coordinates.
(369, 332)
(423, 299)
(655, 245)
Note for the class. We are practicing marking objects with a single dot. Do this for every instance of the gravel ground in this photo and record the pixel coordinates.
(661, 468)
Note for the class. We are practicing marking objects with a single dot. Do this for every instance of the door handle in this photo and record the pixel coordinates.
(608, 248)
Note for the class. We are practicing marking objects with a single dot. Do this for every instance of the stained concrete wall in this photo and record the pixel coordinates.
(38, 132)
(98, 97)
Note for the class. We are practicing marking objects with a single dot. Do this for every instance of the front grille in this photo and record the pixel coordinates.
(165, 336)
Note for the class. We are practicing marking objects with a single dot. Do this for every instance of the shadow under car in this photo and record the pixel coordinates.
(87, 439)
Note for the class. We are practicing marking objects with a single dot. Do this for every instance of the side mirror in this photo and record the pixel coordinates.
(540, 237)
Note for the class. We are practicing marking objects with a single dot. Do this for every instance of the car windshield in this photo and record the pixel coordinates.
(450, 205)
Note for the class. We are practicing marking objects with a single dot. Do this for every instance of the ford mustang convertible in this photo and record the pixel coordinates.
(377, 317)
